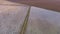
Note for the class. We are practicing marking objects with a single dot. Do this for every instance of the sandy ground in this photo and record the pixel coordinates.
(41, 21)
(12, 16)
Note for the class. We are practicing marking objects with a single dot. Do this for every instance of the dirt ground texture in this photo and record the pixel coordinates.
(41, 21)
(12, 16)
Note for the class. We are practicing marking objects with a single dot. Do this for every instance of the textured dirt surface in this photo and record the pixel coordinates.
(47, 4)
(42, 21)
(12, 16)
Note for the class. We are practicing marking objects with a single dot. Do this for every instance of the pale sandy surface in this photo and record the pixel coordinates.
(42, 21)
(11, 17)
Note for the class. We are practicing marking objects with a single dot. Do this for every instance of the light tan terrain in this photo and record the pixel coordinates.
(41, 21)
(12, 16)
